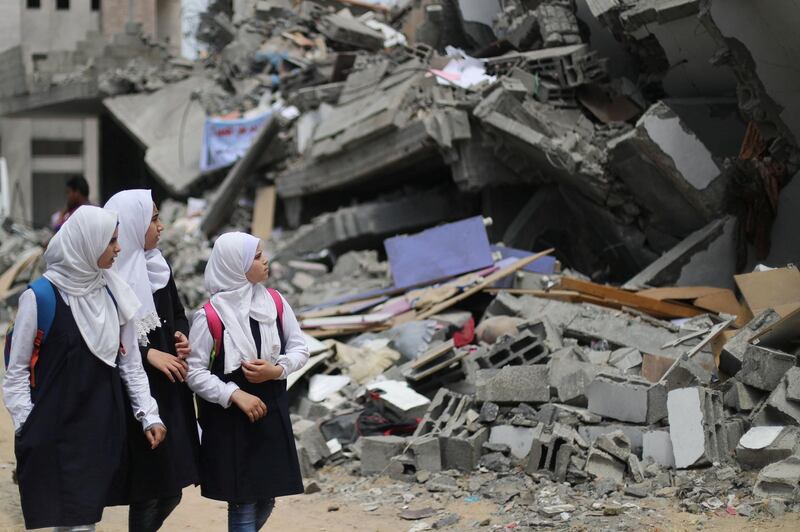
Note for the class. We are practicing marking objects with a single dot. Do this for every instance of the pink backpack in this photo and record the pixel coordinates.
(215, 324)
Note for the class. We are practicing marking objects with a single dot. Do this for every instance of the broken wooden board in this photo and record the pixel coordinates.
(433, 353)
(342, 310)
(661, 309)
(769, 289)
(705, 297)
(352, 320)
(488, 281)
(263, 213)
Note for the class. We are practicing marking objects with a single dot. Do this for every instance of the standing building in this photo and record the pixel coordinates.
(51, 55)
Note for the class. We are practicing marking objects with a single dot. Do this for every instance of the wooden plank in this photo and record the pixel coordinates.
(488, 281)
(345, 321)
(341, 310)
(438, 367)
(433, 353)
(263, 213)
(688, 293)
(652, 306)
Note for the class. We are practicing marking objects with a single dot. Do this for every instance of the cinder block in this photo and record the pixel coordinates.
(730, 360)
(741, 397)
(657, 446)
(761, 446)
(627, 398)
(310, 437)
(616, 444)
(634, 433)
(763, 368)
(427, 454)
(462, 450)
(551, 450)
(518, 439)
(696, 421)
(778, 408)
(377, 452)
(513, 384)
(780, 480)
(521, 349)
(603, 465)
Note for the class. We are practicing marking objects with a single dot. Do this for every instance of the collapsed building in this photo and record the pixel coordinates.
(645, 144)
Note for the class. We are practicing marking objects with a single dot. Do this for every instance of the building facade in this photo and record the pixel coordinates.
(47, 143)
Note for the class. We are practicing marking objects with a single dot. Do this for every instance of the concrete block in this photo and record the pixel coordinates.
(627, 399)
(603, 465)
(733, 430)
(308, 434)
(518, 439)
(616, 444)
(625, 358)
(377, 452)
(551, 451)
(634, 433)
(793, 385)
(696, 427)
(462, 449)
(761, 446)
(780, 480)
(570, 377)
(427, 454)
(307, 469)
(657, 446)
(513, 384)
(741, 397)
(779, 409)
(521, 348)
(763, 368)
(635, 468)
(730, 359)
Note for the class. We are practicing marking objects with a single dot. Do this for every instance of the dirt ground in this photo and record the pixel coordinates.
(340, 506)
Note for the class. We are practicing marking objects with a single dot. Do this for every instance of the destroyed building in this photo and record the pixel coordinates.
(549, 241)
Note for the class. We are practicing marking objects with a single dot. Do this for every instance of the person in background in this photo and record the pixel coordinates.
(77, 196)
(156, 477)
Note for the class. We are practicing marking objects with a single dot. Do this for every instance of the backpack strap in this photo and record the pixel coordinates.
(45, 314)
(276, 297)
(215, 328)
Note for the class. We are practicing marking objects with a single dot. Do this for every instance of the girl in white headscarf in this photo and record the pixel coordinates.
(247, 453)
(67, 405)
(157, 477)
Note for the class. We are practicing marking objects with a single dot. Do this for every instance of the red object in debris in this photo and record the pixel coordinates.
(466, 335)
(731, 510)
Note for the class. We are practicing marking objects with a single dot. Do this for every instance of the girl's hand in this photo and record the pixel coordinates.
(251, 405)
(182, 345)
(155, 434)
(173, 367)
(259, 371)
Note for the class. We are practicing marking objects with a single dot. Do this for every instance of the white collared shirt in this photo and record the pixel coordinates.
(209, 387)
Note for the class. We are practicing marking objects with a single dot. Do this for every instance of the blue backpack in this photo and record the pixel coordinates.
(45, 313)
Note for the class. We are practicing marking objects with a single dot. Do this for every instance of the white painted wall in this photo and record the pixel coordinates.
(47, 28)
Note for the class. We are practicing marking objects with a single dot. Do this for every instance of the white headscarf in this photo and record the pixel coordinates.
(236, 300)
(145, 271)
(72, 267)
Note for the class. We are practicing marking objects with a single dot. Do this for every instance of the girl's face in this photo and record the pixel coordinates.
(153, 231)
(259, 270)
(106, 260)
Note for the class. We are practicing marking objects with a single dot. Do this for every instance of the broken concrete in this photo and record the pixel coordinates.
(780, 480)
(627, 399)
(730, 360)
(763, 368)
(377, 452)
(761, 446)
(696, 427)
(513, 384)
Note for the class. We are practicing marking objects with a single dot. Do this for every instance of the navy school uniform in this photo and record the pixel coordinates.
(164, 471)
(244, 462)
(73, 442)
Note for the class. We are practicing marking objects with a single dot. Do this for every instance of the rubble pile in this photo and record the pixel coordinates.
(568, 406)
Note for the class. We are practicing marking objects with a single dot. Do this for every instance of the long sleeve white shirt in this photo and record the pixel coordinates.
(209, 387)
(16, 384)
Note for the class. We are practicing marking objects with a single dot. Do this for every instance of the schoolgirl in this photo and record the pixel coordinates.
(156, 477)
(67, 403)
(247, 453)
